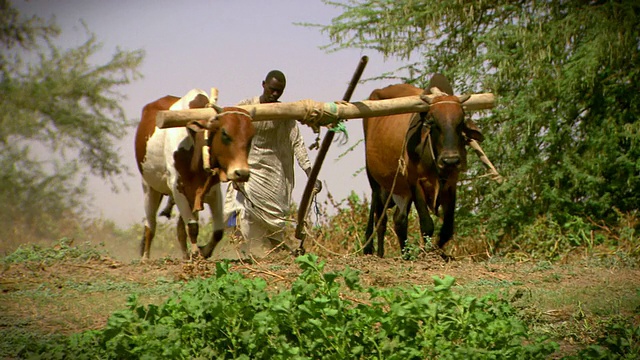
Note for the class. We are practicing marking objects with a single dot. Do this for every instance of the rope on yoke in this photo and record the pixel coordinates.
(319, 114)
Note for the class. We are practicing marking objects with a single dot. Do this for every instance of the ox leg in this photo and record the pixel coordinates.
(168, 208)
(382, 230)
(189, 218)
(217, 215)
(368, 233)
(152, 200)
(191, 230)
(377, 218)
(401, 223)
(381, 217)
(424, 218)
(182, 237)
(373, 211)
(446, 231)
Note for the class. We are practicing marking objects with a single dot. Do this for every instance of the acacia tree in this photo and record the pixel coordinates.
(59, 118)
(565, 131)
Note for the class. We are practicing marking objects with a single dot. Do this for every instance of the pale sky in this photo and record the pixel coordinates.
(230, 45)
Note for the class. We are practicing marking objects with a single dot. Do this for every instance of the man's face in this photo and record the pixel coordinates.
(272, 90)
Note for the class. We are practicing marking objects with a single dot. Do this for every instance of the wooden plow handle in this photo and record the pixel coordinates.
(309, 190)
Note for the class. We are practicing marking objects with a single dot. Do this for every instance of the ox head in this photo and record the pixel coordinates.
(449, 131)
(222, 143)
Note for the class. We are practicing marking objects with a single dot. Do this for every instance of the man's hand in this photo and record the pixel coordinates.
(317, 187)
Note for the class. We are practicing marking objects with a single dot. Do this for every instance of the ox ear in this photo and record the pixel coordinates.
(197, 126)
(472, 131)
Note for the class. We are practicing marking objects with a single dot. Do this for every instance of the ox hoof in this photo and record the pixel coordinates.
(445, 257)
(205, 251)
(298, 252)
(193, 256)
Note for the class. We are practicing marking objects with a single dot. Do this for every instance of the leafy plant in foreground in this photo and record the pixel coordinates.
(324, 315)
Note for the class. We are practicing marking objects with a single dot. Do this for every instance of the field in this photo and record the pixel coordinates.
(69, 288)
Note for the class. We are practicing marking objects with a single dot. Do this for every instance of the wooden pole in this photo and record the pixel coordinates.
(326, 113)
(309, 190)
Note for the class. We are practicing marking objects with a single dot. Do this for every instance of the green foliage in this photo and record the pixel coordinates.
(621, 341)
(546, 238)
(63, 249)
(343, 231)
(324, 315)
(564, 133)
(60, 115)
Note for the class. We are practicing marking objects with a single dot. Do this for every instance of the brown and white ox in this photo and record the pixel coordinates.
(171, 163)
(432, 147)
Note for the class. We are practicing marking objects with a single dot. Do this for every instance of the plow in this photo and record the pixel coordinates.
(317, 114)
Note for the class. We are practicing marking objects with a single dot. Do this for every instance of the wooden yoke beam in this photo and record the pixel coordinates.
(316, 113)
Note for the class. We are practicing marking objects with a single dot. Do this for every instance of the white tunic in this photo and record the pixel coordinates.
(271, 182)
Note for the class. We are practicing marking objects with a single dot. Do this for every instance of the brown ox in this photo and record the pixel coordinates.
(432, 147)
(173, 162)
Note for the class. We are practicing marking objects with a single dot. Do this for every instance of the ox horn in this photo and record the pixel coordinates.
(464, 98)
(437, 92)
(432, 91)
(217, 108)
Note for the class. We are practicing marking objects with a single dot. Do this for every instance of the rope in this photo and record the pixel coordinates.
(340, 127)
(319, 114)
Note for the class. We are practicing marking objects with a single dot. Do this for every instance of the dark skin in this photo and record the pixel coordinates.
(272, 90)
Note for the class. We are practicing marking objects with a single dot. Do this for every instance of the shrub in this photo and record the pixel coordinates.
(324, 315)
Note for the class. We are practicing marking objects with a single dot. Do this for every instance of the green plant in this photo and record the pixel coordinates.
(324, 314)
(621, 340)
(62, 249)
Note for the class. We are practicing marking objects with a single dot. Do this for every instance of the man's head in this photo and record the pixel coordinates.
(273, 86)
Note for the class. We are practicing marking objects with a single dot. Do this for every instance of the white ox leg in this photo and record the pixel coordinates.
(214, 199)
(187, 224)
(152, 200)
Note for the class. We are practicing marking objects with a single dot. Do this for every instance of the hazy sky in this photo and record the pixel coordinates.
(230, 45)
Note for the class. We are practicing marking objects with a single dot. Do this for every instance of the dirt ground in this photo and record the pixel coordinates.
(70, 296)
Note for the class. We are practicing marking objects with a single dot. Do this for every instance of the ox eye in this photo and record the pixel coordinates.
(226, 139)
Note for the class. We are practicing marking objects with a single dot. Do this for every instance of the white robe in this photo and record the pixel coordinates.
(271, 182)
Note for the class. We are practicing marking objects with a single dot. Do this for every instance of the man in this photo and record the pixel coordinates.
(260, 206)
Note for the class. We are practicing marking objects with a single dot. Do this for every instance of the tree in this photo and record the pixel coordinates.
(565, 132)
(59, 118)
